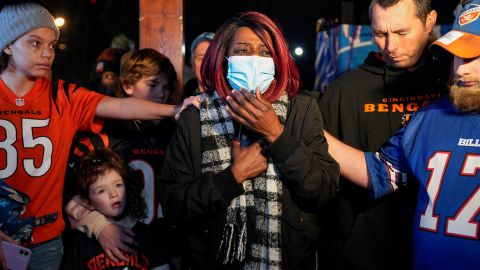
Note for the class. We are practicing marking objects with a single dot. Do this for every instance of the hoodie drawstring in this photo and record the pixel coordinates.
(387, 92)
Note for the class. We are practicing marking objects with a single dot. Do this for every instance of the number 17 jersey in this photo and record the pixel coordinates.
(440, 146)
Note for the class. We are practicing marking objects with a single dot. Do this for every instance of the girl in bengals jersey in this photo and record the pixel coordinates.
(38, 119)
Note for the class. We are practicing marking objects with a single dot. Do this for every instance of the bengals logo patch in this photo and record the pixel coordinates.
(469, 16)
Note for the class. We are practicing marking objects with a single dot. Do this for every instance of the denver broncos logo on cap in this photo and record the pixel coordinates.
(469, 15)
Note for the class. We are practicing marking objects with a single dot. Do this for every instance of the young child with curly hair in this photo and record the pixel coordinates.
(107, 185)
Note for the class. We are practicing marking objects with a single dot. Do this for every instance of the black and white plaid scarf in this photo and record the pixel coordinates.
(253, 239)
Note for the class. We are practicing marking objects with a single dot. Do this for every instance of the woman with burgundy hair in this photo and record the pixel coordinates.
(245, 175)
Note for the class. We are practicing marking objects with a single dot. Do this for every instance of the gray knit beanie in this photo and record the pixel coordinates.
(205, 36)
(19, 19)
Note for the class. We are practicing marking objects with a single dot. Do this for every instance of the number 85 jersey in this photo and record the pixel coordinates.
(36, 132)
(440, 147)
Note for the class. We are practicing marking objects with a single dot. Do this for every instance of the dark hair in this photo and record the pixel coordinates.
(3, 61)
(423, 7)
(147, 62)
(214, 64)
(107, 60)
(100, 161)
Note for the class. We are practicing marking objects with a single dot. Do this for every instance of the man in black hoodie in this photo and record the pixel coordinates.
(363, 108)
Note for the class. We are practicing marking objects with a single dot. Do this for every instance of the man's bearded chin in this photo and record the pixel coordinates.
(465, 99)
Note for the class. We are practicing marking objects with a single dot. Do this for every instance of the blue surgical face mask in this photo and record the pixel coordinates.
(250, 72)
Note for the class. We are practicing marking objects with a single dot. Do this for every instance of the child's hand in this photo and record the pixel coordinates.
(192, 100)
(114, 239)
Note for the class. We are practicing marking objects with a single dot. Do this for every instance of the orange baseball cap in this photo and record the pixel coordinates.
(464, 38)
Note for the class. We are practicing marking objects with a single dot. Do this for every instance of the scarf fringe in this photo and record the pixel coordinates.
(228, 251)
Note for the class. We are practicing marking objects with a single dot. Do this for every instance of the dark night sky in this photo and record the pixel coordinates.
(92, 24)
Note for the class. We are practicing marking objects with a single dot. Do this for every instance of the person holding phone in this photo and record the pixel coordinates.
(17, 256)
(39, 117)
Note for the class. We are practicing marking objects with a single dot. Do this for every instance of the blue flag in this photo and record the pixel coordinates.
(340, 49)
(325, 61)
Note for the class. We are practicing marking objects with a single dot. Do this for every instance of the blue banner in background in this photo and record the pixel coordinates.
(354, 44)
(340, 49)
(326, 59)
(344, 47)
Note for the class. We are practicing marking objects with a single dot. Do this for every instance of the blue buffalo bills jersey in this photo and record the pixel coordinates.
(441, 148)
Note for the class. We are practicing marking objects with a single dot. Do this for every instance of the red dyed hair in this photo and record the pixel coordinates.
(215, 65)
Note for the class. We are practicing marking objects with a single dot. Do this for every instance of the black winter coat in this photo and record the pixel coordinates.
(197, 202)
